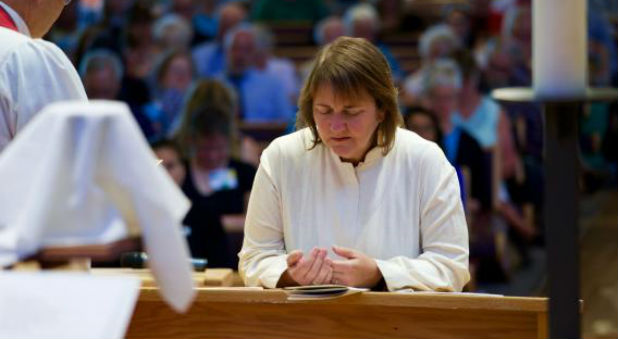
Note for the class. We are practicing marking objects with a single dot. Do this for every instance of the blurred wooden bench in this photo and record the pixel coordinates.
(211, 277)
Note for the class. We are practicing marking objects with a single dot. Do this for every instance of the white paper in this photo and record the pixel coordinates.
(65, 305)
(82, 173)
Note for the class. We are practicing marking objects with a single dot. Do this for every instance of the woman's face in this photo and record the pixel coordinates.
(346, 126)
(179, 74)
(172, 163)
(423, 126)
(441, 48)
(211, 152)
(459, 23)
(443, 101)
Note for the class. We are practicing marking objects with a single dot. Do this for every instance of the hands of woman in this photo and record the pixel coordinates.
(313, 269)
(356, 270)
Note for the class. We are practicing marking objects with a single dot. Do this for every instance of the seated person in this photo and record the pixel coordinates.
(209, 57)
(424, 123)
(174, 75)
(102, 72)
(441, 90)
(171, 158)
(261, 96)
(215, 183)
(362, 21)
(383, 199)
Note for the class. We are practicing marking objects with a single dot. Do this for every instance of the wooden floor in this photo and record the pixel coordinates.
(599, 264)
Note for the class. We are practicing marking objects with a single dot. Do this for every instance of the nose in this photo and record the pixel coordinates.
(337, 124)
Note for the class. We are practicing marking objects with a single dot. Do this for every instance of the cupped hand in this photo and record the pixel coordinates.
(355, 269)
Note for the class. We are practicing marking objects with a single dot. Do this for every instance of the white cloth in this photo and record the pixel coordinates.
(402, 209)
(33, 73)
(82, 173)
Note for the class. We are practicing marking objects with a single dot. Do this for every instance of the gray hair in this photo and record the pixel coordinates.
(264, 39)
(442, 72)
(320, 28)
(434, 34)
(360, 12)
(172, 24)
(99, 59)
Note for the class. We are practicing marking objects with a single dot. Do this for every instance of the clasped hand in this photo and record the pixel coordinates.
(354, 269)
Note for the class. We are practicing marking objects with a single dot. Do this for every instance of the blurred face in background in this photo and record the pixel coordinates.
(179, 73)
(332, 31)
(422, 125)
(443, 101)
(115, 10)
(460, 24)
(185, 8)
(364, 28)
(138, 61)
(498, 71)
(102, 83)
(172, 163)
(241, 54)
(230, 16)
(212, 151)
(440, 48)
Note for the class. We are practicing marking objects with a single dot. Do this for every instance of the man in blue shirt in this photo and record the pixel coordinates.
(209, 57)
(261, 97)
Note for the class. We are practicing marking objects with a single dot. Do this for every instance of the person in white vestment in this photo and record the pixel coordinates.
(33, 72)
(351, 198)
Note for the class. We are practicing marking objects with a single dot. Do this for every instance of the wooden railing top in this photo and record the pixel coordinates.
(413, 299)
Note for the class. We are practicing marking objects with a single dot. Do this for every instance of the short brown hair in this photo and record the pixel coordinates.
(351, 66)
(209, 110)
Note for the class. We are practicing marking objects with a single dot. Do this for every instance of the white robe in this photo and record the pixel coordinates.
(33, 73)
(403, 209)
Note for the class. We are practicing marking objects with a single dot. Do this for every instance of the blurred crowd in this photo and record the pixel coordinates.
(199, 74)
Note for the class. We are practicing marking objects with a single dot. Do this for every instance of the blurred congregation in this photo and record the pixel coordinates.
(212, 82)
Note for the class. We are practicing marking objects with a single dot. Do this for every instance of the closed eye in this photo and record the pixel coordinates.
(353, 112)
(323, 110)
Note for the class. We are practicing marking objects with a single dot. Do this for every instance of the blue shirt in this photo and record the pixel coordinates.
(209, 59)
(262, 97)
(482, 125)
(451, 144)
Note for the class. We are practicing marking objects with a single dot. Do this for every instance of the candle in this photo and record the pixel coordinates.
(559, 54)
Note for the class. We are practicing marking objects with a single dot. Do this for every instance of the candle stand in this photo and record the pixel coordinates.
(561, 200)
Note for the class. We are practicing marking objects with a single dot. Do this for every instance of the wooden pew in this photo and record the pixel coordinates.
(215, 277)
(250, 313)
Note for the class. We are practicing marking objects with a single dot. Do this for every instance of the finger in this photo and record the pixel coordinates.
(313, 272)
(304, 264)
(329, 277)
(324, 275)
(344, 252)
(341, 266)
(328, 262)
(339, 279)
(294, 257)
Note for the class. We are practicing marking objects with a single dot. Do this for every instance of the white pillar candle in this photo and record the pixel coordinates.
(559, 53)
